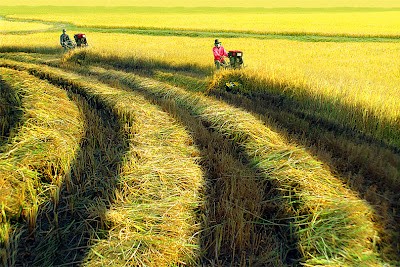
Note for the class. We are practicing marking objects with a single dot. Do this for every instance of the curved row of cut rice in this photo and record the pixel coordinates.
(333, 226)
(152, 220)
(38, 153)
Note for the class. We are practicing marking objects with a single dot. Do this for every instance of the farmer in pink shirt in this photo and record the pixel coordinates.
(219, 54)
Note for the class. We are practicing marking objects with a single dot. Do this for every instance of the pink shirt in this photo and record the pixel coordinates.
(219, 52)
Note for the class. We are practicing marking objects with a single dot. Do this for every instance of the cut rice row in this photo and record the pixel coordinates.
(332, 224)
(37, 156)
(151, 219)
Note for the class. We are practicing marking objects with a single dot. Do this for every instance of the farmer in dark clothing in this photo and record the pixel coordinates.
(65, 41)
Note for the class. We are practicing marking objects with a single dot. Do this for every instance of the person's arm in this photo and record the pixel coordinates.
(224, 52)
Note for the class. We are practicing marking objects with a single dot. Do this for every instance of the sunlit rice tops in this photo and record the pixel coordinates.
(211, 3)
(326, 214)
(16, 26)
(357, 114)
(360, 75)
(289, 21)
(43, 146)
(325, 75)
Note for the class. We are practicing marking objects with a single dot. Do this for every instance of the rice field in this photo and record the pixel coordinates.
(11, 26)
(325, 22)
(161, 165)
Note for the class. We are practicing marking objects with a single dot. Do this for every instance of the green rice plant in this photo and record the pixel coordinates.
(37, 155)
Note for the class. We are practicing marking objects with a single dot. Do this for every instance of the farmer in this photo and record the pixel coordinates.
(65, 41)
(219, 54)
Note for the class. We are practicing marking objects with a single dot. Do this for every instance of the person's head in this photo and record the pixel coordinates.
(217, 43)
(64, 30)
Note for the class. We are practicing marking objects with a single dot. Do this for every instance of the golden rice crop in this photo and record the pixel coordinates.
(211, 3)
(46, 131)
(319, 202)
(328, 69)
(360, 75)
(327, 72)
(10, 111)
(302, 22)
(16, 26)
